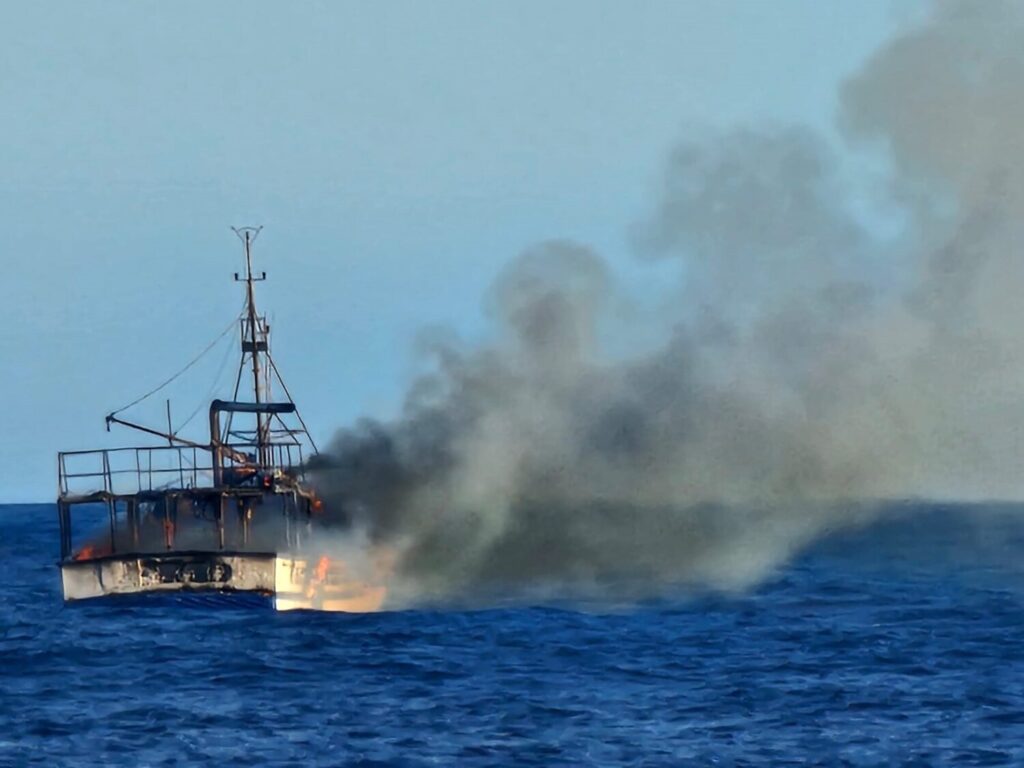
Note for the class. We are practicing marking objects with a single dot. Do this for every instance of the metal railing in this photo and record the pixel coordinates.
(126, 471)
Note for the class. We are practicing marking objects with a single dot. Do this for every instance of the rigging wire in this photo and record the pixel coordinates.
(213, 388)
(192, 362)
(288, 394)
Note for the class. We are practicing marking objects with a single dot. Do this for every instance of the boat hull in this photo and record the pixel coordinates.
(293, 583)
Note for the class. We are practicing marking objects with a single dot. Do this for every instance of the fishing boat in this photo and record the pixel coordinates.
(230, 517)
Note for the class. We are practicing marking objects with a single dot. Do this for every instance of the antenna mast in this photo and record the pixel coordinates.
(254, 334)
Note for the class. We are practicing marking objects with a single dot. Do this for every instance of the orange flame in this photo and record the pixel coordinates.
(320, 574)
(91, 551)
(332, 586)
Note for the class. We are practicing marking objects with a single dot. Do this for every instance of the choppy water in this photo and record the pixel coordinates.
(901, 644)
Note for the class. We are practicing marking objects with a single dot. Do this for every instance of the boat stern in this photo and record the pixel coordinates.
(294, 582)
(167, 572)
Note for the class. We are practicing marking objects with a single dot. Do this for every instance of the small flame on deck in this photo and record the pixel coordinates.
(91, 550)
(334, 584)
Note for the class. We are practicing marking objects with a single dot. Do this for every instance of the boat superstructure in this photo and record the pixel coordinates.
(232, 515)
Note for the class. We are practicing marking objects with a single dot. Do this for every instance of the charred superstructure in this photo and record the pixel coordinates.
(230, 515)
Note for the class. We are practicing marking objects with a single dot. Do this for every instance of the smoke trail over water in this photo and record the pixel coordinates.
(806, 363)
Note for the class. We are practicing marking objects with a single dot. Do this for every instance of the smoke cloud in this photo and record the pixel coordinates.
(822, 352)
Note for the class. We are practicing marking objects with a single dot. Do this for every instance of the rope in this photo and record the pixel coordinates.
(191, 362)
(213, 389)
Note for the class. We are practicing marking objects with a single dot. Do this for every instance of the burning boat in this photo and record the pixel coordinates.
(232, 516)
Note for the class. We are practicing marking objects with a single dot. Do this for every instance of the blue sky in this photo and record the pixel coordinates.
(397, 154)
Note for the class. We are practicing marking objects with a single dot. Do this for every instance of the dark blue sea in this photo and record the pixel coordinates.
(899, 643)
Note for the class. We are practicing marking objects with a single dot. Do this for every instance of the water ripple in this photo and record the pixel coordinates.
(852, 656)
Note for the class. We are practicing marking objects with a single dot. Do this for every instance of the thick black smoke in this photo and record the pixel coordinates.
(804, 367)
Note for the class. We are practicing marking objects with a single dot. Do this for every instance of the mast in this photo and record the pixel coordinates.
(251, 311)
(254, 335)
(257, 336)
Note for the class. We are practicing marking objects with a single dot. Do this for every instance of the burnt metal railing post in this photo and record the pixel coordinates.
(107, 481)
(64, 516)
(133, 521)
(112, 509)
(220, 521)
(246, 517)
(168, 524)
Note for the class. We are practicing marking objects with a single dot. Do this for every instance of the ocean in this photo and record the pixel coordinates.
(900, 643)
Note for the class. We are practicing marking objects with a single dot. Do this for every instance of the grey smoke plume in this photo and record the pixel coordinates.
(805, 367)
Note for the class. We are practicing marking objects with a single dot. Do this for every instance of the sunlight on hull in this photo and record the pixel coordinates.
(326, 585)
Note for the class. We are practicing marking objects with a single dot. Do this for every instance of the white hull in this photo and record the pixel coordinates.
(293, 582)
